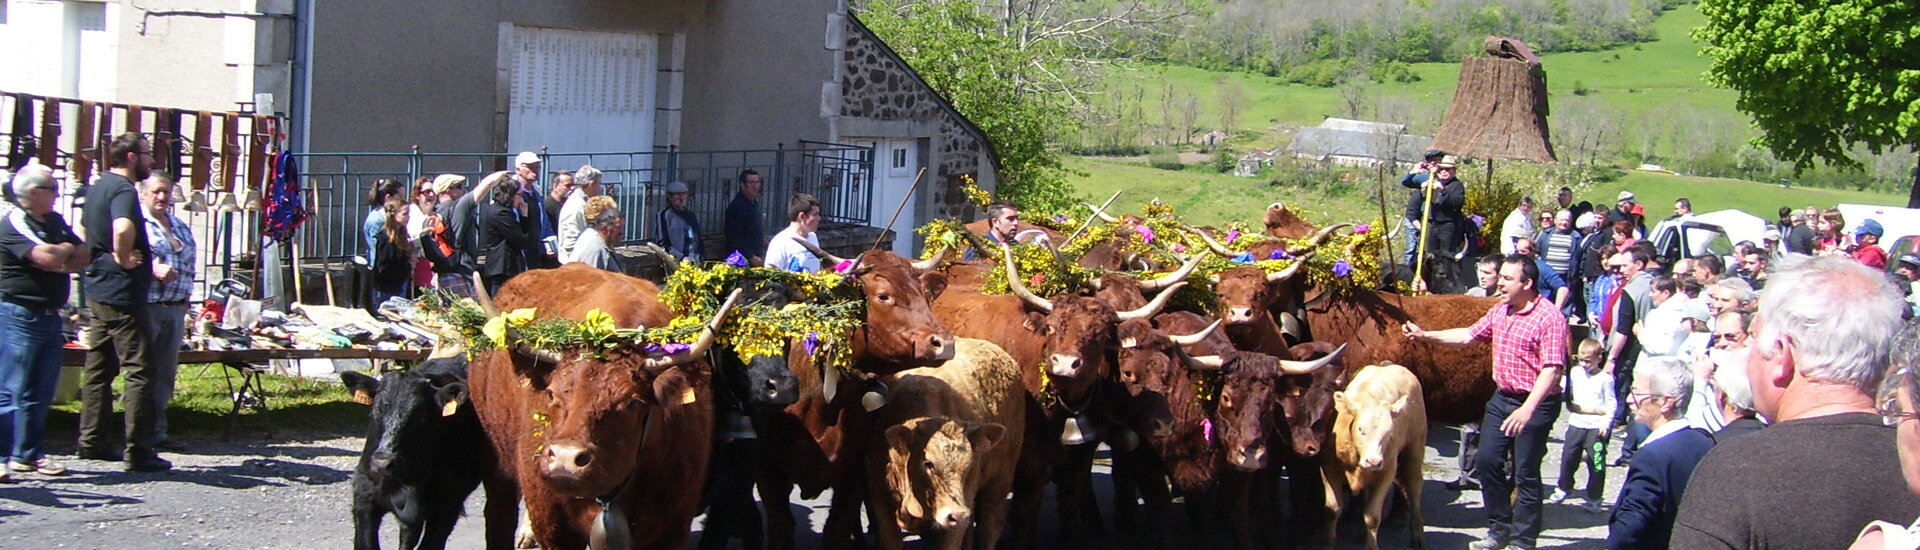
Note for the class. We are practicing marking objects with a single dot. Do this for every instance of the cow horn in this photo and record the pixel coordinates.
(821, 252)
(667, 263)
(1020, 288)
(1316, 239)
(699, 347)
(1096, 284)
(1159, 301)
(1195, 338)
(1307, 367)
(930, 263)
(480, 295)
(1289, 272)
(1204, 362)
(1097, 212)
(1176, 276)
(1213, 245)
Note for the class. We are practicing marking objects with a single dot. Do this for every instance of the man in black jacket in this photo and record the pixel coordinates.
(504, 238)
(1443, 216)
(745, 226)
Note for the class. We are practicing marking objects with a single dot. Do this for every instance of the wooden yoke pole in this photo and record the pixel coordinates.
(897, 209)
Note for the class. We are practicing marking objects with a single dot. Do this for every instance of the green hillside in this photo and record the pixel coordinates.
(1635, 79)
(1642, 84)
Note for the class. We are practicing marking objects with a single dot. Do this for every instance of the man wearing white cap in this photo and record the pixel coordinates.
(536, 223)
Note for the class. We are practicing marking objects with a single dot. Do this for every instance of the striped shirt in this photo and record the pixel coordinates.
(1559, 249)
(175, 247)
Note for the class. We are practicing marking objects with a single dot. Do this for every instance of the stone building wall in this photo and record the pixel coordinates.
(875, 83)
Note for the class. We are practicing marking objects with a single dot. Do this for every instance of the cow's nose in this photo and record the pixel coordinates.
(940, 346)
(956, 519)
(1162, 428)
(1239, 314)
(1254, 458)
(1310, 449)
(568, 458)
(773, 389)
(1371, 462)
(1065, 365)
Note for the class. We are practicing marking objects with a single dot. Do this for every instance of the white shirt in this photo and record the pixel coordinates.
(1669, 428)
(573, 220)
(592, 250)
(1591, 392)
(782, 252)
(1518, 225)
(416, 221)
(1663, 330)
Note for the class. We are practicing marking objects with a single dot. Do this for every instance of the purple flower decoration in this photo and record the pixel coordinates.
(737, 259)
(1243, 258)
(1146, 233)
(1342, 268)
(668, 348)
(1059, 219)
(1279, 254)
(1206, 429)
(812, 342)
(843, 267)
(1179, 248)
(1478, 220)
(1362, 229)
(1233, 235)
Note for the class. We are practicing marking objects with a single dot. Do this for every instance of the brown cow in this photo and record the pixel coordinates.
(1061, 345)
(612, 449)
(1380, 440)
(1204, 451)
(821, 439)
(1457, 382)
(949, 442)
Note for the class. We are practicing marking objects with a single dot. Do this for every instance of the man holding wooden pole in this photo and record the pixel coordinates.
(1440, 222)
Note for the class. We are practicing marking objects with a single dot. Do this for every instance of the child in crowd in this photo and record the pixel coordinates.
(1590, 407)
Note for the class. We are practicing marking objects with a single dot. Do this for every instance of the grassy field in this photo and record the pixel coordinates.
(1634, 79)
(1204, 197)
(201, 402)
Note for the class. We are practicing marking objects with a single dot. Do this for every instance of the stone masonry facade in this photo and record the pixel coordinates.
(876, 83)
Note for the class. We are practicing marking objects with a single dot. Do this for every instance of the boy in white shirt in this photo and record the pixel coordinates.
(803, 217)
(1590, 406)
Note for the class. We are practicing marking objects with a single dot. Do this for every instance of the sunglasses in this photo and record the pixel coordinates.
(1892, 412)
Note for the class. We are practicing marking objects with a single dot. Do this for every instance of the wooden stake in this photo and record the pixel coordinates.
(897, 209)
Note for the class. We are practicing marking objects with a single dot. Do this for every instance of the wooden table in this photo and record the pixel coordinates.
(249, 364)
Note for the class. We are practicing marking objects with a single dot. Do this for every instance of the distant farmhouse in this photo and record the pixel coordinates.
(1348, 142)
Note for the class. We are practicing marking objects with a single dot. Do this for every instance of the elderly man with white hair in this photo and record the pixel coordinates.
(38, 251)
(1819, 345)
(603, 220)
(573, 212)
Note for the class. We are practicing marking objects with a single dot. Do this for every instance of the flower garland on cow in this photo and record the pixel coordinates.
(823, 322)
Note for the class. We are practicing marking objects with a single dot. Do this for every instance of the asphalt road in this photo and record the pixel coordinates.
(293, 492)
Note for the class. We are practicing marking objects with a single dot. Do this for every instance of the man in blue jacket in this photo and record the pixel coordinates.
(1657, 478)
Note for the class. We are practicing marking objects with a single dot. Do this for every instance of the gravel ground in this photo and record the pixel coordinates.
(293, 492)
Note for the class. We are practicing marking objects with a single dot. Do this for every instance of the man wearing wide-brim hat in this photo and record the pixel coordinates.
(1441, 198)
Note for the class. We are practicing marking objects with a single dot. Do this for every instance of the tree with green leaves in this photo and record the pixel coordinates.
(1819, 78)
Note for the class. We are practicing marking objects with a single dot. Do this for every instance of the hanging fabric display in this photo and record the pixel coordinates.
(285, 208)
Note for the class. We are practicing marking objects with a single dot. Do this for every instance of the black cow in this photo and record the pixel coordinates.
(743, 390)
(425, 453)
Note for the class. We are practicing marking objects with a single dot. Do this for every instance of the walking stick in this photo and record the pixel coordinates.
(1426, 216)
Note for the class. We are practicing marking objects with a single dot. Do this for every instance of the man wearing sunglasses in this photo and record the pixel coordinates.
(1818, 347)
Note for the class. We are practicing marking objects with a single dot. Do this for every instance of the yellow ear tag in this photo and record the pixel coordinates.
(450, 408)
(687, 395)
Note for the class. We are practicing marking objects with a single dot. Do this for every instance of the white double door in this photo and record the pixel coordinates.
(895, 163)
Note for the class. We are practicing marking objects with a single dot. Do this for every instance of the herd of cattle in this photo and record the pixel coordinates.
(988, 400)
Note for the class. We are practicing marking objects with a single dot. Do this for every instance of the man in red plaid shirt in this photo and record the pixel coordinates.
(1529, 351)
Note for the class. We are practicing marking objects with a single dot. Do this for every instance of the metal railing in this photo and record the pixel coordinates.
(841, 176)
